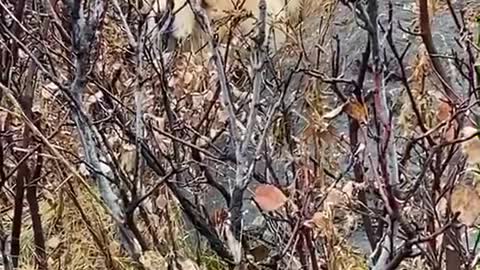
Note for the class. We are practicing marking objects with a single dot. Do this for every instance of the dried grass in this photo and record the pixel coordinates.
(70, 244)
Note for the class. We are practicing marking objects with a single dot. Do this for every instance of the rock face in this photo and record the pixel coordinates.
(352, 41)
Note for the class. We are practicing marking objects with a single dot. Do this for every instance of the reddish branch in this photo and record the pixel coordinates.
(32, 199)
(24, 176)
(18, 210)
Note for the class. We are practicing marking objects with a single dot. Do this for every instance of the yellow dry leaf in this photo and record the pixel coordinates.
(357, 110)
(466, 201)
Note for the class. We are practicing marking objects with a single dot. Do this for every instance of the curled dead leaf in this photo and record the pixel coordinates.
(93, 99)
(269, 197)
(49, 90)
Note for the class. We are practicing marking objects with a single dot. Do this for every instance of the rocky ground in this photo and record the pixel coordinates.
(352, 43)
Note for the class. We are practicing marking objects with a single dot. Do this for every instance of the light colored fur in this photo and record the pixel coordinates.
(186, 28)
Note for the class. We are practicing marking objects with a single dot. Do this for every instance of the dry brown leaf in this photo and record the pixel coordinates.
(450, 132)
(471, 148)
(222, 116)
(357, 110)
(477, 185)
(466, 201)
(209, 95)
(269, 197)
(444, 111)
